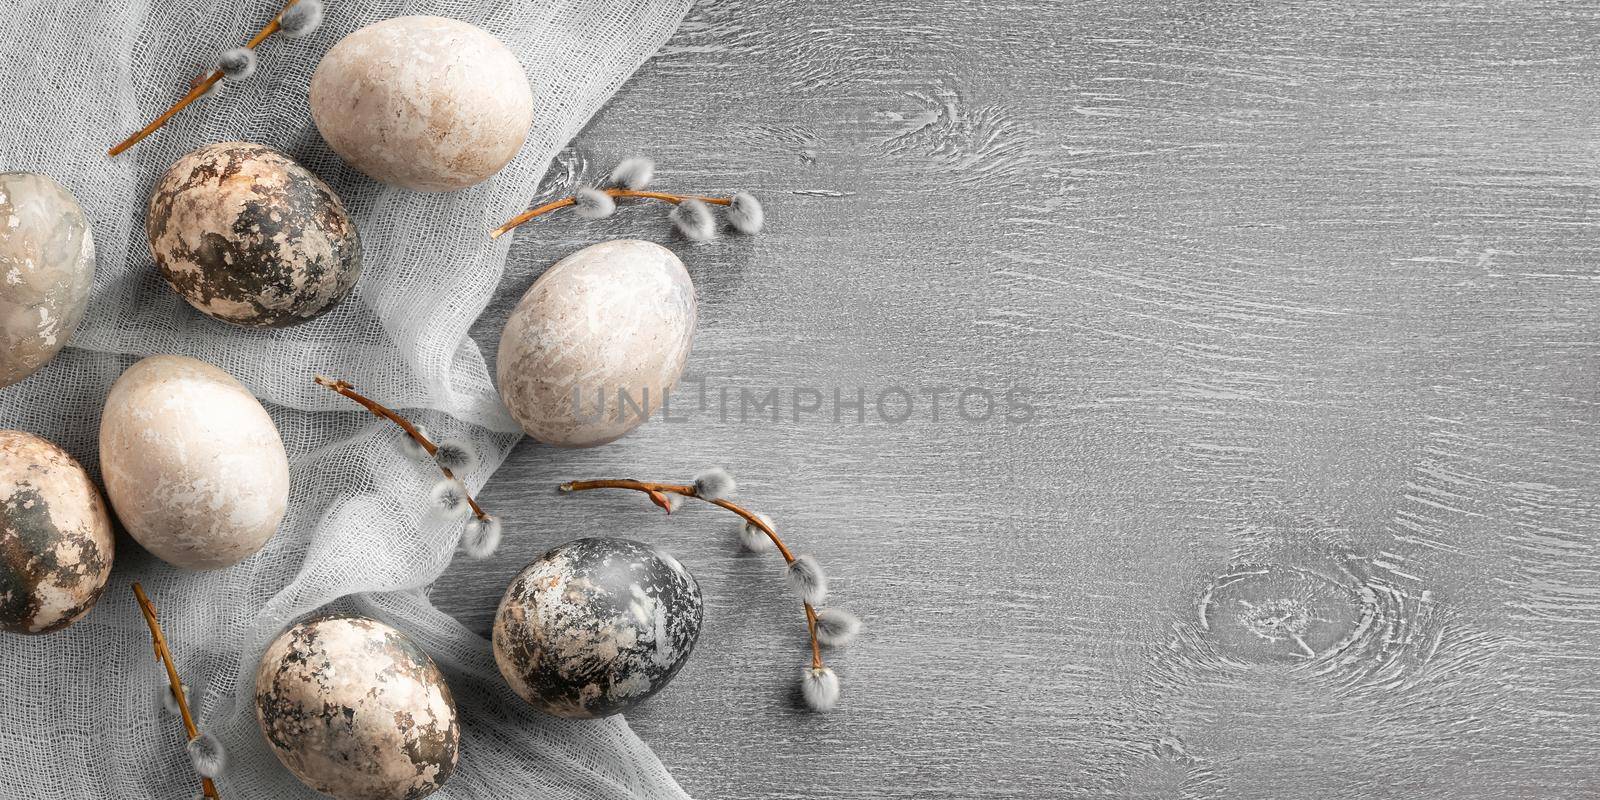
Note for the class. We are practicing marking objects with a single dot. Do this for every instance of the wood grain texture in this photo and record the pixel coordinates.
(1306, 295)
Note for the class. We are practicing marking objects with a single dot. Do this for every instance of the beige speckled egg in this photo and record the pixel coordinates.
(248, 236)
(597, 342)
(357, 710)
(56, 542)
(192, 463)
(426, 103)
(46, 269)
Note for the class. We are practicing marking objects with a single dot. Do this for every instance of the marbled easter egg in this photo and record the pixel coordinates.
(596, 626)
(192, 463)
(595, 345)
(46, 269)
(426, 103)
(248, 236)
(56, 542)
(357, 710)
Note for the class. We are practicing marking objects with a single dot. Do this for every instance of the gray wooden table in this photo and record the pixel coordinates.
(1305, 295)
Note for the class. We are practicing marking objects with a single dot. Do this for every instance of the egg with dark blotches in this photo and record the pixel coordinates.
(596, 343)
(248, 236)
(192, 463)
(596, 626)
(357, 710)
(56, 541)
(46, 269)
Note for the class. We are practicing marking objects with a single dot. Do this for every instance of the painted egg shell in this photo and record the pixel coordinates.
(426, 103)
(357, 710)
(56, 542)
(248, 236)
(46, 268)
(192, 463)
(596, 626)
(598, 341)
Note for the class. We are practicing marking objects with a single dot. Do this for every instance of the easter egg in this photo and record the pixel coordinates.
(356, 710)
(56, 541)
(595, 345)
(426, 103)
(596, 626)
(192, 462)
(248, 236)
(46, 268)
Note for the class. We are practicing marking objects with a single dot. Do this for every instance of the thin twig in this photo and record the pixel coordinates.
(198, 88)
(670, 198)
(687, 490)
(344, 388)
(615, 193)
(175, 684)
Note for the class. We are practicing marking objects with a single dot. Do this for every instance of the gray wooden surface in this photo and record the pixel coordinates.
(1306, 295)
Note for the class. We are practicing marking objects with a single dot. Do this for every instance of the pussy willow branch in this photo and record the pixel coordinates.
(197, 89)
(175, 684)
(344, 388)
(615, 193)
(687, 490)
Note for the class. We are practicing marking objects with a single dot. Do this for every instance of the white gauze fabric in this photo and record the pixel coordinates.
(82, 716)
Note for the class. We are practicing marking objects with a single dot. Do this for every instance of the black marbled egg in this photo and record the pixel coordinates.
(248, 236)
(595, 626)
(356, 710)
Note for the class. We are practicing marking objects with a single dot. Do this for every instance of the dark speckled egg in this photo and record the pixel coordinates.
(56, 543)
(356, 710)
(595, 626)
(248, 236)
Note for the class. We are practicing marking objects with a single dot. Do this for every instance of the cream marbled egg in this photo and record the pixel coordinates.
(596, 343)
(357, 710)
(427, 103)
(192, 463)
(56, 542)
(248, 236)
(46, 269)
